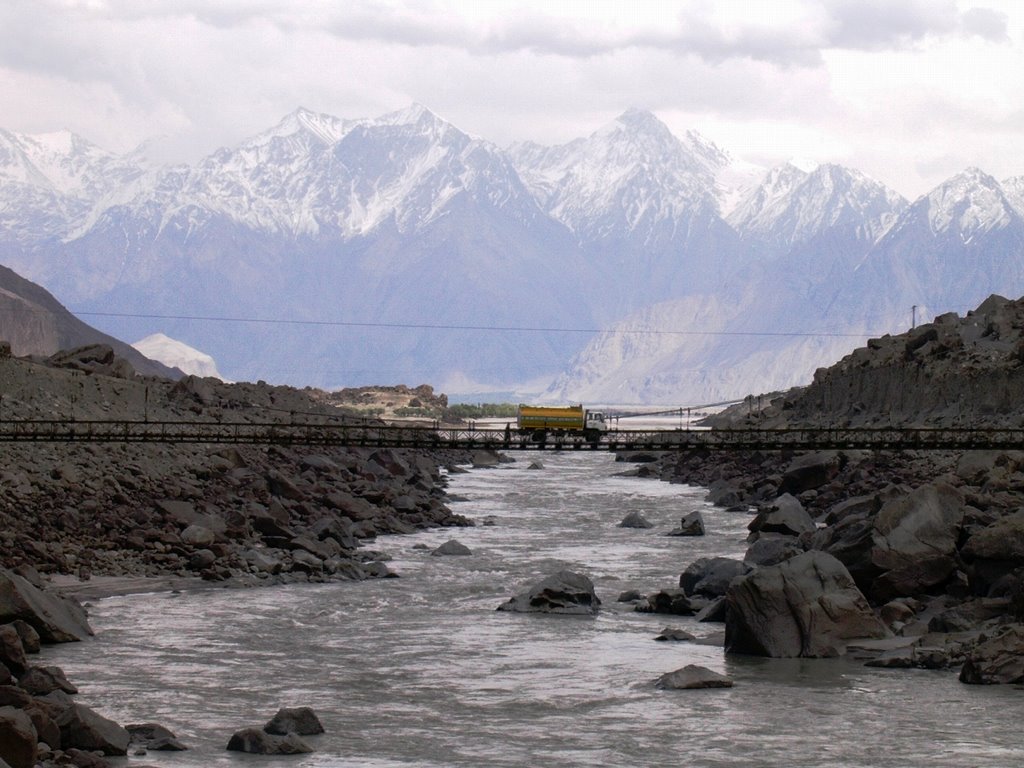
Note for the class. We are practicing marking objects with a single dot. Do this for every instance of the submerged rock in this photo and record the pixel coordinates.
(691, 524)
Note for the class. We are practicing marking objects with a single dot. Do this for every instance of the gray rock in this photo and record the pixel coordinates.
(564, 592)
(772, 549)
(300, 720)
(635, 520)
(711, 576)
(692, 677)
(12, 652)
(674, 602)
(40, 681)
(536, 465)
(198, 536)
(83, 728)
(18, 738)
(452, 547)
(57, 619)
(258, 742)
(807, 606)
(785, 515)
(809, 471)
(692, 524)
(674, 635)
(154, 737)
(915, 540)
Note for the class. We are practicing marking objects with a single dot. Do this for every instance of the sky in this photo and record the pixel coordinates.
(908, 91)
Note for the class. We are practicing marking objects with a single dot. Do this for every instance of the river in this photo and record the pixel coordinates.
(422, 671)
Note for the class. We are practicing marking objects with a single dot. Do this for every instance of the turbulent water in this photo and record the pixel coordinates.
(422, 671)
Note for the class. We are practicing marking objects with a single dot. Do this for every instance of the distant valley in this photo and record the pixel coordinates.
(629, 266)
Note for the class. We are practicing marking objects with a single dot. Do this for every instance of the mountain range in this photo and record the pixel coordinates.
(632, 265)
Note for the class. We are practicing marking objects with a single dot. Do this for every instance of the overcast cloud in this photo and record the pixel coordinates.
(909, 91)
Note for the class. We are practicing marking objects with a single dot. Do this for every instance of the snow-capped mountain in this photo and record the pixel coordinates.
(48, 182)
(177, 354)
(643, 202)
(400, 249)
(792, 206)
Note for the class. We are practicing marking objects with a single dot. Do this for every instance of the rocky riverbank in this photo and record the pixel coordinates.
(100, 519)
(922, 549)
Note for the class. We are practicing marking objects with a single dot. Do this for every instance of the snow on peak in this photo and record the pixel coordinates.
(325, 129)
(792, 205)
(627, 176)
(969, 202)
(177, 354)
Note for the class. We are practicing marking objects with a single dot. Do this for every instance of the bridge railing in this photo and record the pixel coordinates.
(381, 435)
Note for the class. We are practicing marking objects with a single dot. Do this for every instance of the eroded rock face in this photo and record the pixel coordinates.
(807, 606)
(564, 592)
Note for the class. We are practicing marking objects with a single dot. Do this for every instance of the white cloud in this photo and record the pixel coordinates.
(903, 89)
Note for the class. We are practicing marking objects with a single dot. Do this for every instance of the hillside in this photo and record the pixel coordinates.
(35, 323)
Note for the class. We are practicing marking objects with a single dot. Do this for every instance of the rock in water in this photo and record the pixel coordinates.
(999, 659)
(452, 547)
(635, 520)
(300, 720)
(692, 677)
(691, 524)
(81, 727)
(259, 742)
(154, 737)
(806, 606)
(565, 592)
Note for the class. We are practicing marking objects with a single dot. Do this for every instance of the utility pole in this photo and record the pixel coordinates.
(913, 317)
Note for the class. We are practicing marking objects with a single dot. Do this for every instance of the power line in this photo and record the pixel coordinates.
(452, 327)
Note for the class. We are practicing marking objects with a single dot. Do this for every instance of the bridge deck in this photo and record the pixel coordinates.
(372, 435)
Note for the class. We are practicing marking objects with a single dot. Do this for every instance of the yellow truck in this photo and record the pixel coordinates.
(571, 420)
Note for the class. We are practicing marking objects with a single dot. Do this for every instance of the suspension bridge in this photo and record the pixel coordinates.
(374, 435)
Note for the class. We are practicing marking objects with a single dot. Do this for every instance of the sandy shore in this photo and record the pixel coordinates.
(98, 587)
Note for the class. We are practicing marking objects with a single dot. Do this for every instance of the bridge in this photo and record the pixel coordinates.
(376, 435)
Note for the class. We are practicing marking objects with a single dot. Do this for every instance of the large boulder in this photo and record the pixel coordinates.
(565, 592)
(57, 619)
(807, 606)
(12, 650)
(18, 738)
(998, 659)
(996, 549)
(914, 541)
(810, 471)
(711, 576)
(258, 742)
(83, 728)
(785, 515)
